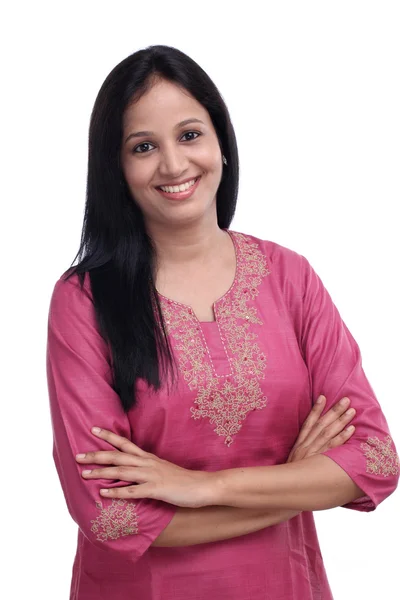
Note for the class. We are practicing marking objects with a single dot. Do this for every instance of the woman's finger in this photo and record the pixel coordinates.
(317, 431)
(129, 491)
(134, 474)
(330, 417)
(340, 439)
(118, 441)
(330, 432)
(310, 421)
(110, 457)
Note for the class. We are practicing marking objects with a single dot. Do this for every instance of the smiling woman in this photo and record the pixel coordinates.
(215, 364)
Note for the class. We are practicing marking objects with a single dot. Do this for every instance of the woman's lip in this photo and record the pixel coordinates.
(181, 183)
(180, 195)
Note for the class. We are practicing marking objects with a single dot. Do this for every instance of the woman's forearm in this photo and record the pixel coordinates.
(314, 483)
(191, 526)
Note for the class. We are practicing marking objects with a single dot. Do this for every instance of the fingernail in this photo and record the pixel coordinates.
(96, 430)
(80, 456)
(351, 411)
(344, 401)
(104, 491)
(350, 429)
(86, 472)
(320, 399)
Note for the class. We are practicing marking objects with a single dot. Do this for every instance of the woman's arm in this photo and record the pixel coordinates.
(359, 474)
(81, 395)
(190, 526)
(315, 483)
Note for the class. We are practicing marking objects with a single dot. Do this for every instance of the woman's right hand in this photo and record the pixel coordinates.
(320, 433)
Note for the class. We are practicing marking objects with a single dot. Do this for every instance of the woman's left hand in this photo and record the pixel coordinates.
(154, 477)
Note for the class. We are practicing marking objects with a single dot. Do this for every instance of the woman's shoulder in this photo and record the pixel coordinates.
(280, 258)
(71, 286)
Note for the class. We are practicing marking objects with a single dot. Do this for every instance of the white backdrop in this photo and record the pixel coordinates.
(313, 91)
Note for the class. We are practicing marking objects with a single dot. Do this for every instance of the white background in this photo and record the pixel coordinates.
(313, 91)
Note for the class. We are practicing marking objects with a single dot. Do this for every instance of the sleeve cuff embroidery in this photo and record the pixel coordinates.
(381, 456)
(117, 520)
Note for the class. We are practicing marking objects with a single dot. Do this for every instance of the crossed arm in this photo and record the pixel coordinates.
(314, 483)
(276, 494)
(308, 480)
(234, 502)
(191, 526)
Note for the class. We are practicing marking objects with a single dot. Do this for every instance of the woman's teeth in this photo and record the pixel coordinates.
(178, 188)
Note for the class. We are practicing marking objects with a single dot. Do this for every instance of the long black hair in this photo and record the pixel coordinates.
(116, 251)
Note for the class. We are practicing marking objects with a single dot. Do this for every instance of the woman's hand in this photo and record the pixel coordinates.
(320, 433)
(156, 478)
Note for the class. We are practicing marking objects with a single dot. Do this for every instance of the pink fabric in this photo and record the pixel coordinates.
(248, 381)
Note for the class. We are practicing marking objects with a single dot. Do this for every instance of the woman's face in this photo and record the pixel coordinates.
(167, 153)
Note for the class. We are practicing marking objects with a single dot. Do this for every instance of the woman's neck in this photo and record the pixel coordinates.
(188, 247)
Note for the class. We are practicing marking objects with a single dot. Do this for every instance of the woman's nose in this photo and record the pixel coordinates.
(172, 162)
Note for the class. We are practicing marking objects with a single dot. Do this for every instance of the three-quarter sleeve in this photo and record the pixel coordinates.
(81, 396)
(335, 369)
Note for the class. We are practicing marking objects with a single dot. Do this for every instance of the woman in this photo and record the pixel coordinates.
(214, 362)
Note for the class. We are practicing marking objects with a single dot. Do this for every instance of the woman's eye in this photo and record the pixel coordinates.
(140, 146)
(137, 151)
(195, 132)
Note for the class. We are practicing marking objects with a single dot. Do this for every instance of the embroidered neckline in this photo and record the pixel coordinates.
(227, 399)
(233, 285)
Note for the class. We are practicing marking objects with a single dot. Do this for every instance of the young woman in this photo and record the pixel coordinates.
(215, 364)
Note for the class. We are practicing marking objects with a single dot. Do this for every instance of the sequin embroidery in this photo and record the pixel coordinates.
(381, 456)
(117, 520)
(225, 399)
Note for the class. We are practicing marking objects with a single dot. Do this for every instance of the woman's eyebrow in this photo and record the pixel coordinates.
(144, 133)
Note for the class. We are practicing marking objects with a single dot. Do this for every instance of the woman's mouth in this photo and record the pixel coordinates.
(188, 190)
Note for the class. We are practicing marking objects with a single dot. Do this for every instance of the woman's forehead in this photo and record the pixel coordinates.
(164, 103)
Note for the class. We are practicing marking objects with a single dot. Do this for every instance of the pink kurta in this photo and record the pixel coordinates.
(248, 381)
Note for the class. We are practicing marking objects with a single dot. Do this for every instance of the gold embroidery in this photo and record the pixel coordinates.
(119, 519)
(225, 399)
(381, 456)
